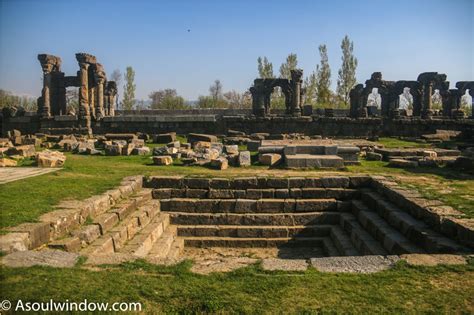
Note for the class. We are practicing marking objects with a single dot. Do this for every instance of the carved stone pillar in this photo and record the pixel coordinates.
(426, 97)
(296, 93)
(84, 90)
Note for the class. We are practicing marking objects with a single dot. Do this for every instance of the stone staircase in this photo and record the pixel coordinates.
(156, 218)
(337, 216)
(133, 227)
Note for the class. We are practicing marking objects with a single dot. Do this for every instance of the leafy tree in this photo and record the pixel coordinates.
(117, 77)
(323, 77)
(265, 68)
(215, 90)
(290, 64)
(347, 78)
(310, 84)
(129, 89)
(238, 100)
(7, 99)
(167, 99)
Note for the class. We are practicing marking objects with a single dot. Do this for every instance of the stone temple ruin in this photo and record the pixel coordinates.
(421, 92)
(97, 96)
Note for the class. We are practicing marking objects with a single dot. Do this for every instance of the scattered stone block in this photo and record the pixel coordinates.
(164, 138)
(5, 162)
(141, 151)
(173, 144)
(220, 163)
(269, 159)
(13, 242)
(244, 158)
(113, 149)
(48, 158)
(195, 137)
(162, 160)
(402, 163)
(22, 150)
(231, 149)
(372, 156)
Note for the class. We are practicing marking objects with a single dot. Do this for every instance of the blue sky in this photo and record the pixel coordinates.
(399, 38)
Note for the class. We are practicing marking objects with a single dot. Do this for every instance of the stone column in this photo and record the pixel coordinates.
(47, 64)
(99, 110)
(427, 92)
(296, 93)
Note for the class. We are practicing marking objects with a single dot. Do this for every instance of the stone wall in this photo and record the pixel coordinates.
(214, 124)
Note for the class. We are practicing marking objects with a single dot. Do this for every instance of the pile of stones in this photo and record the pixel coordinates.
(124, 144)
(16, 147)
(204, 150)
(414, 157)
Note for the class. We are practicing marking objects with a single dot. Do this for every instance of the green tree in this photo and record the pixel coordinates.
(323, 77)
(8, 99)
(215, 98)
(167, 99)
(265, 68)
(290, 64)
(129, 89)
(347, 78)
(310, 84)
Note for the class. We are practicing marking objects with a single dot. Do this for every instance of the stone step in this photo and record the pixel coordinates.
(209, 241)
(391, 239)
(176, 249)
(361, 239)
(282, 219)
(116, 237)
(310, 161)
(330, 248)
(120, 218)
(143, 242)
(343, 242)
(415, 230)
(254, 231)
(247, 205)
(257, 193)
(162, 246)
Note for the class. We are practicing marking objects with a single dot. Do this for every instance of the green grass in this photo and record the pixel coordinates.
(398, 143)
(404, 289)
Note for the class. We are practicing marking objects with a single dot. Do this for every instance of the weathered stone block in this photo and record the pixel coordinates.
(106, 221)
(87, 234)
(48, 158)
(164, 138)
(275, 182)
(372, 156)
(269, 159)
(335, 182)
(220, 163)
(220, 183)
(162, 160)
(244, 183)
(14, 242)
(244, 159)
(202, 183)
(38, 233)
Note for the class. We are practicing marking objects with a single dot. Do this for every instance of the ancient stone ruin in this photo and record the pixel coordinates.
(419, 93)
(96, 94)
(291, 89)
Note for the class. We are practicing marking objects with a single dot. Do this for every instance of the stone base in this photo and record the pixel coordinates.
(318, 161)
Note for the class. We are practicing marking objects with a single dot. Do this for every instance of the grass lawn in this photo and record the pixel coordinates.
(404, 289)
